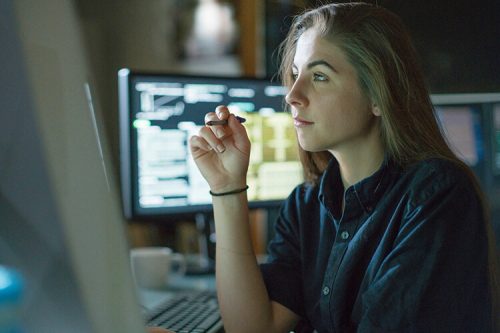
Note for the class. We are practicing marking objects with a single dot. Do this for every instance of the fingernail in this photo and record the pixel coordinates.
(221, 148)
(220, 133)
(222, 110)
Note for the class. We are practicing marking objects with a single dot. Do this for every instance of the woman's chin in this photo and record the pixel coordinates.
(309, 147)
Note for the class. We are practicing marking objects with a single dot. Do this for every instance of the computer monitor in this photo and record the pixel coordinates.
(471, 123)
(61, 225)
(158, 114)
(461, 126)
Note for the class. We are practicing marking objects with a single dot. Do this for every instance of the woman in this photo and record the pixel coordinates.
(389, 232)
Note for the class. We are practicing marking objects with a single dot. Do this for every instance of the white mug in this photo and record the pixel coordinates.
(152, 266)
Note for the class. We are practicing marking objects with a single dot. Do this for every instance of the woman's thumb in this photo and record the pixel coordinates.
(239, 131)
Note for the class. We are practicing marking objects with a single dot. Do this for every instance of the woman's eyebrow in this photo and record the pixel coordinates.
(317, 63)
(320, 62)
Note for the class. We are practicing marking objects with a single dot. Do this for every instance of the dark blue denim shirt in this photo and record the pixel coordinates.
(409, 254)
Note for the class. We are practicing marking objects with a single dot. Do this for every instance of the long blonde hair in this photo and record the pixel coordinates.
(378, 46)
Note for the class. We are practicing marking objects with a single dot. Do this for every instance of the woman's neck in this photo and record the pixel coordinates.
(359, 163)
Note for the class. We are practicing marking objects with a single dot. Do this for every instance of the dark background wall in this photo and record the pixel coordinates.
(458, 41)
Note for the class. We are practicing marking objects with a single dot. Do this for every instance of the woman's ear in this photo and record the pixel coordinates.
(376, 110)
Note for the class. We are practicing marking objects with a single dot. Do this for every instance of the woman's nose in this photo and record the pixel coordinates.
(296, 95)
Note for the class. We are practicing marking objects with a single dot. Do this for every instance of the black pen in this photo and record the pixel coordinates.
(223, 122)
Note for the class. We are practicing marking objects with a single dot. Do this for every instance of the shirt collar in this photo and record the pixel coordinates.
(331, 188)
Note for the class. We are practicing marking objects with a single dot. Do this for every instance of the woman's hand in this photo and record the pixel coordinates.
(222, 152)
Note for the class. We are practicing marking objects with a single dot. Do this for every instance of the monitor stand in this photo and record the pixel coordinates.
(204, 263)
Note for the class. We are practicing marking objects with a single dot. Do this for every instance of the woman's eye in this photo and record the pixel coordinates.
(295, 76)
(320, 77)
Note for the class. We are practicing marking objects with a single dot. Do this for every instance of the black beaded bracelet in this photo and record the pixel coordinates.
(229, 192)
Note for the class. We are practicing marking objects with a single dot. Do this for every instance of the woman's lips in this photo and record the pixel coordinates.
(299, 122)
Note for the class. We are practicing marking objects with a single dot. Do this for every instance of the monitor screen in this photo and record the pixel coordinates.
(461, 127)
(470, 123)
(158, 114)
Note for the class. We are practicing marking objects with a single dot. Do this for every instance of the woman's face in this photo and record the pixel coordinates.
(329, 109)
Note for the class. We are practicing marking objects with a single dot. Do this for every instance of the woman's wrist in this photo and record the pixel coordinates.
(228, 187)
(230, 192)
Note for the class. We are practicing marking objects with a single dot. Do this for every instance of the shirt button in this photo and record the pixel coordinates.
(326, 291)
(344, 235)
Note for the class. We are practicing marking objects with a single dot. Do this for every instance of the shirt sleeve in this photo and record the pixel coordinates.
(282, 272)
(435, 277)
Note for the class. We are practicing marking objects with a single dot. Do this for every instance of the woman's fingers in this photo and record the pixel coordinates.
(198, 143)
(221, 114)
(237, 130)
(207, 134)
(215, 133)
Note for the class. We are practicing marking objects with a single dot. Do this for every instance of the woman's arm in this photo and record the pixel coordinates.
(243, 298)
